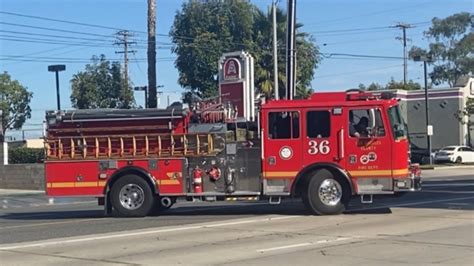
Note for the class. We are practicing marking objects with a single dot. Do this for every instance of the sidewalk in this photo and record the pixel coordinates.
(19, 192)
(446, 167)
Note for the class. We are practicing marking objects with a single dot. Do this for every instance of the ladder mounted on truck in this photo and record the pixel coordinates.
(131, 146)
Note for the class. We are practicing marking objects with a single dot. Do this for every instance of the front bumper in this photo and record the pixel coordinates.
(413, 183)
(444, 158)
(377, 186)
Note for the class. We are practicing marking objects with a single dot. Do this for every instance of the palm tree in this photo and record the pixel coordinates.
(307, 55)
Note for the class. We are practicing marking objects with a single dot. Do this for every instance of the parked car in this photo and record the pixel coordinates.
(455, 154)
(420, 155)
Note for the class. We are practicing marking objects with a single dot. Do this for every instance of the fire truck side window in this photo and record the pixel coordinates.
(284, 125)
(318, 124)
(366, 123)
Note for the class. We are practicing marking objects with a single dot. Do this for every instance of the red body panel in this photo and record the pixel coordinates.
(84, 178)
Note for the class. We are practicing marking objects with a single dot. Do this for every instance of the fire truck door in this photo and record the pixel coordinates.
(282, 147)
(320, 142)
(368, 149)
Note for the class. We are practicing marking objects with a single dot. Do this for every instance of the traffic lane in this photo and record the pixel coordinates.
(419, 236)
(422, 248)
(75, 220)
(69, 223)
(27, 224)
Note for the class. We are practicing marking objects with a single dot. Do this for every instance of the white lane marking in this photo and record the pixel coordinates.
(284, 247)
(139, 233)
(325, 241)
(448, 192)
(449, 185)
(460, 204)
(409, 204)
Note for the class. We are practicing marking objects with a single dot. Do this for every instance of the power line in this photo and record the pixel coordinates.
(355, 72)
(346, 18)
(33, 40)
(48, 40)
(52, 36)
(60, 58)
(53, 29)
(64, 21)
(351, 30)
(328, 55)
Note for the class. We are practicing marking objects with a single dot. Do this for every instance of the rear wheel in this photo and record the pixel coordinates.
(132, 196)
(325, 194)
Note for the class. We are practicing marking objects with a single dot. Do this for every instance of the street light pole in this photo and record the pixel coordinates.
(57, 69)
(58, 98)
(429, 129)
(427, 113)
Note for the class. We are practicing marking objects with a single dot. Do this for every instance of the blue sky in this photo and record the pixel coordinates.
(322, 18)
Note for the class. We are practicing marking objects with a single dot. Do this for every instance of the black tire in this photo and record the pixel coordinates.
(139, 194)
(458, 160)
(329, 203)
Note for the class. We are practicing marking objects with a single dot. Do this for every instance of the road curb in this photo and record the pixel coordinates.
(18, 192)
(453, 167)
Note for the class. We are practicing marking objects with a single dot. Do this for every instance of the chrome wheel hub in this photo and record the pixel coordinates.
(132, 197)
(330, 192)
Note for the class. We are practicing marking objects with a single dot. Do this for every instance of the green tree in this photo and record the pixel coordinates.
(452, 46)
(101, 85)
(14, 103)
(466, 117)
(391, 85)
(307, 57)
(372, 87)
(204, 30)
(399, 85)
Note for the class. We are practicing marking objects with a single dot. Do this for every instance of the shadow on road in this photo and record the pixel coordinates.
(456, 194)
(54, 215)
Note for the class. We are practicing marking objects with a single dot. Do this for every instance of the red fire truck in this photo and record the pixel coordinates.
(325, 150)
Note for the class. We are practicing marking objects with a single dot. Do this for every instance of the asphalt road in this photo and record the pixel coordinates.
(435, 226)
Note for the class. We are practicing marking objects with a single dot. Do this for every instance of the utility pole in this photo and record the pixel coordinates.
(290, 50)
(404, 28)
(275, 51)
(151, 54)
(123, 39)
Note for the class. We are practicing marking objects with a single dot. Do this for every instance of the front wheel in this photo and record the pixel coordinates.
(325, 194)
(458, 159)
(132, 196)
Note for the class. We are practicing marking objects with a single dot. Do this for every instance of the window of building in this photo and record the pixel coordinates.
(284, 125)
(318, 124)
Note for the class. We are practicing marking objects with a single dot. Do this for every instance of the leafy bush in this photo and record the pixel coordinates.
(25, 155)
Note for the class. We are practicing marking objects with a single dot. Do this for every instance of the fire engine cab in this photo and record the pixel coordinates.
(325, 150)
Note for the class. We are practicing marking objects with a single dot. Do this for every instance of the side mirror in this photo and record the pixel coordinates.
(399, 133)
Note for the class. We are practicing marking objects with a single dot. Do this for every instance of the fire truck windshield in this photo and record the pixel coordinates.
(396, 122)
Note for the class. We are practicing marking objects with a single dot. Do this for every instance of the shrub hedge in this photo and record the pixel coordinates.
(25, 155)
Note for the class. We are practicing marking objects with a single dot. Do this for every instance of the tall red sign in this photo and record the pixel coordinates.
(236, 85)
